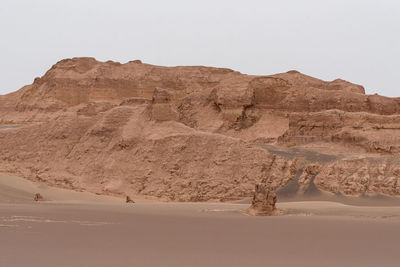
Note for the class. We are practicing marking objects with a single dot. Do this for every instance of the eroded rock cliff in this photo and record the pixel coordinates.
(197, 133)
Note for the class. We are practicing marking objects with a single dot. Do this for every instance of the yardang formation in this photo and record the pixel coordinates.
(198, 133)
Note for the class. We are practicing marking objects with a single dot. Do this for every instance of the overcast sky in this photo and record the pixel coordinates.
(356, 40)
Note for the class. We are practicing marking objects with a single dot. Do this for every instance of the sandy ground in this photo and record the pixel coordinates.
(18, 190)
(81, 229)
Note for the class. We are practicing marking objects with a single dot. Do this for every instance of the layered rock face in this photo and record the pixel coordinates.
(197, 133)
(371, 132)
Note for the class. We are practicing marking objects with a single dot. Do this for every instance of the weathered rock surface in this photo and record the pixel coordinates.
(196, 133)
(129, 200)
(38, 197)
(371, 132)
(264, 201)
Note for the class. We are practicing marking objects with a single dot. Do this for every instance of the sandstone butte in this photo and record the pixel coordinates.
(198, 133)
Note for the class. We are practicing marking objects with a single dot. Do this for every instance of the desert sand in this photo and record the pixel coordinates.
(81, 229)
(16, 190)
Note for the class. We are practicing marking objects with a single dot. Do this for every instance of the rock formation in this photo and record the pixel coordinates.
(264, 200)
(38, 197)
(129, 200)
(197, 133)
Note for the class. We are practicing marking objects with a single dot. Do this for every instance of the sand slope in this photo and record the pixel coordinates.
(14, 189)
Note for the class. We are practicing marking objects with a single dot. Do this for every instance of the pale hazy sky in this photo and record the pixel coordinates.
(356, 40)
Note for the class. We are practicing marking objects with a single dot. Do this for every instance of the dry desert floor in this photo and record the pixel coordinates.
(82, 229)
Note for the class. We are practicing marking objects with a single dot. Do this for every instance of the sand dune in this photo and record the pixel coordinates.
(14, 189)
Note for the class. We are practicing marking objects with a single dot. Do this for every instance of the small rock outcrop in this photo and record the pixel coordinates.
(129, 200)
(38, 197)
(263, 203)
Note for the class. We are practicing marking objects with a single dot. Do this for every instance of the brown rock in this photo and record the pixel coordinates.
(197, 133)
(129, 200)
(309, 172)
(38, 197)
(372, 132)
(264, 200)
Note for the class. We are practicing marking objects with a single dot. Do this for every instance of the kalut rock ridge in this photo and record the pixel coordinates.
(263, 203)
(198, 133)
